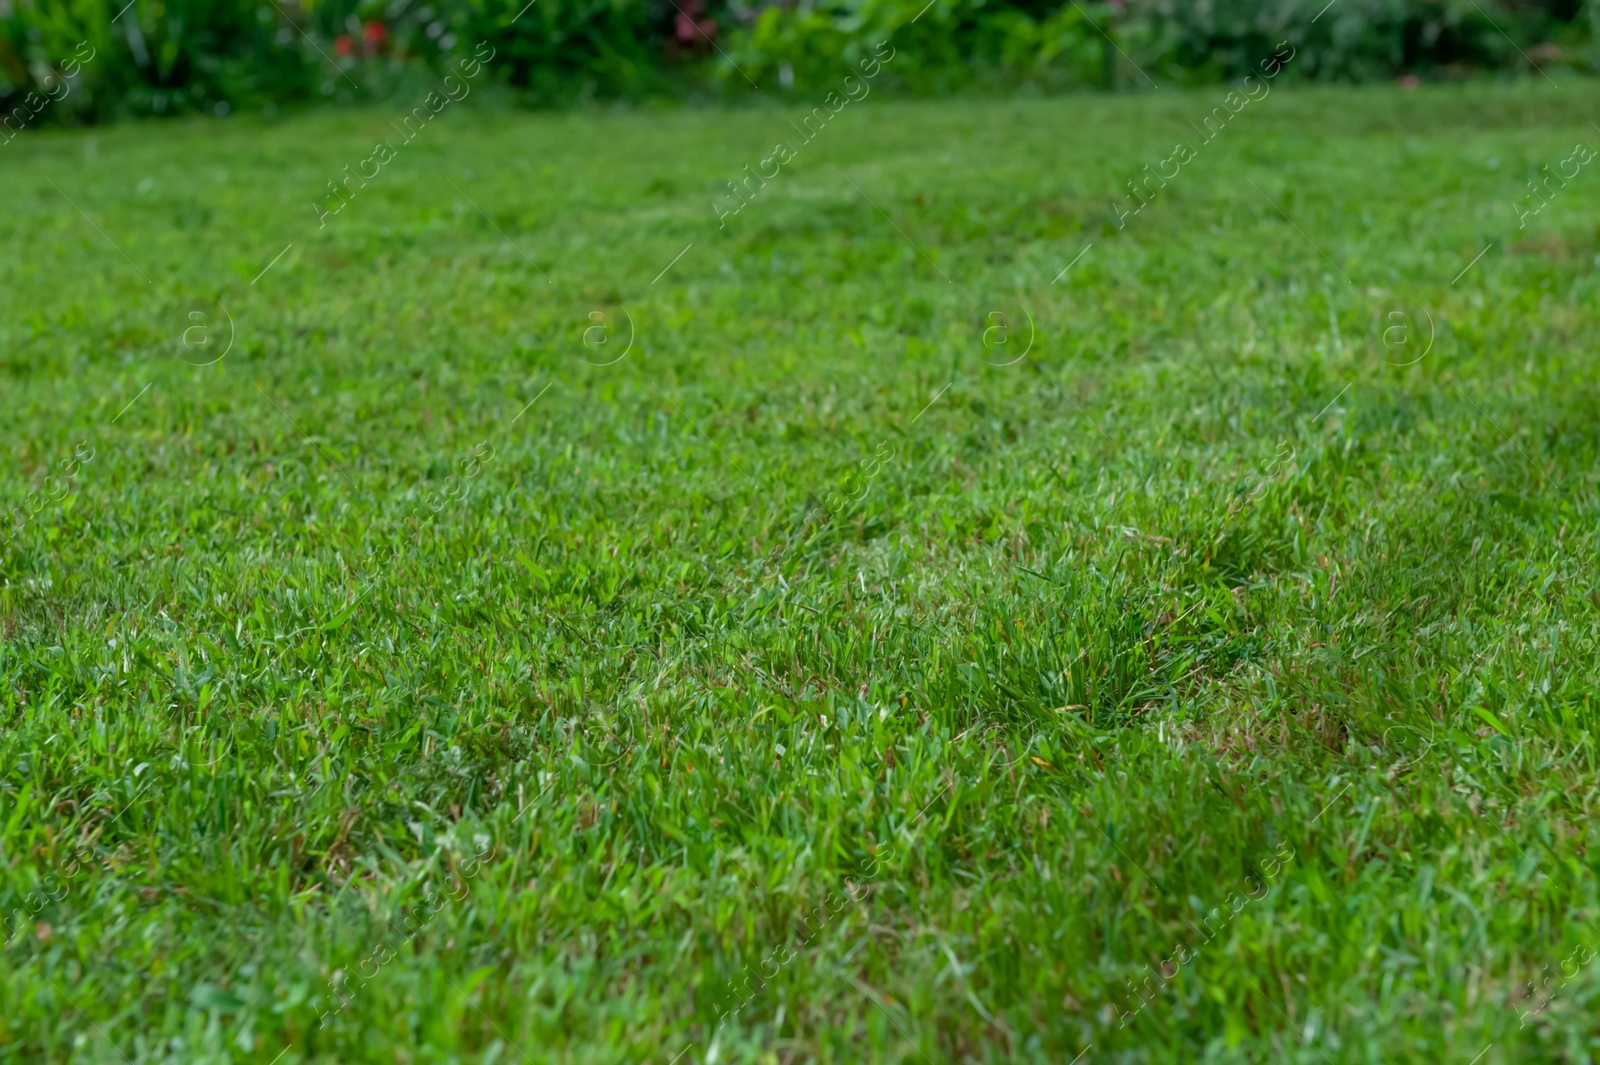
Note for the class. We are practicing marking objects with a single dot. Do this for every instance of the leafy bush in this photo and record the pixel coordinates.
(163, 56)
(92, 60)
(574, 50)
(938, 47)
(175, 55)
(958, 42)
(1355, 40)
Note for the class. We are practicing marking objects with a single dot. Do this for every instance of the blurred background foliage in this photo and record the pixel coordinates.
(156, 57)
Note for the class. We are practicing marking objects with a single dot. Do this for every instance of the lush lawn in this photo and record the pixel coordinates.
(334, 672)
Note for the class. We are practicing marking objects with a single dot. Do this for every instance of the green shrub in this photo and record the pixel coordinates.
(1352, 40)
(156, 58)
(952, 44)
(167, 56)
(575, 50)
(960, 42)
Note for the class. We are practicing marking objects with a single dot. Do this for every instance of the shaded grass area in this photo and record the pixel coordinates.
(895, 655)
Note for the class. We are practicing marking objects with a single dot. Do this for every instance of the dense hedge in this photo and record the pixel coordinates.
(80, 60)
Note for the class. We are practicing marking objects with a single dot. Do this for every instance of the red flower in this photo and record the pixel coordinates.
(374, 33)
(342, 45)
(688, 26)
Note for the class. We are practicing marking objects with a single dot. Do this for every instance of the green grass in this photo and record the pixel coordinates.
(1205, 593)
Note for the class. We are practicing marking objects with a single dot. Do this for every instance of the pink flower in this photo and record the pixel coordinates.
(688, 25)
(342, 45)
